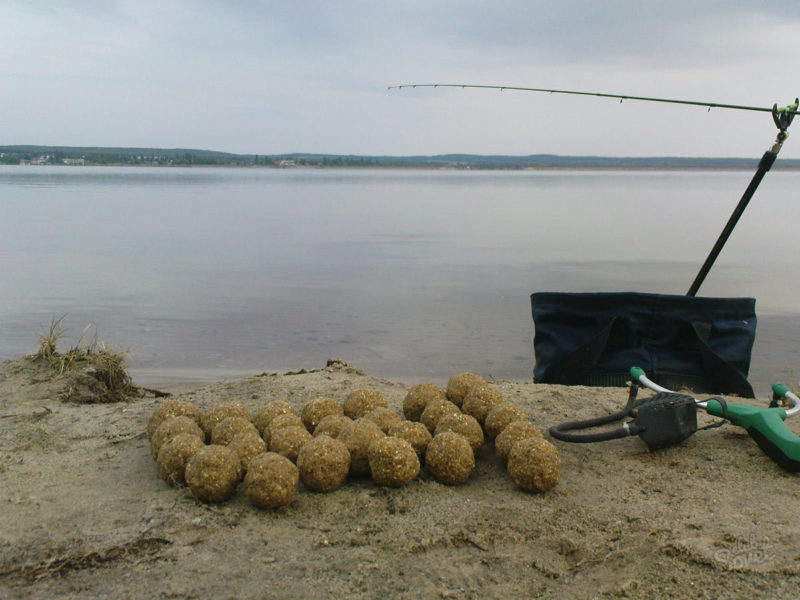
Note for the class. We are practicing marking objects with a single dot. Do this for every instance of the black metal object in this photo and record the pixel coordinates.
(782, 121)
(664, 420)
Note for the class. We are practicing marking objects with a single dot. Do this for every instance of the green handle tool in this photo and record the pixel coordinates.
(766, 425)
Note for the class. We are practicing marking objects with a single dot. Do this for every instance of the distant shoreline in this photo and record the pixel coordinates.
(181, 157)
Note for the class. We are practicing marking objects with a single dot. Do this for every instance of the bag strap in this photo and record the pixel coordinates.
(726, 379)
(576, 367)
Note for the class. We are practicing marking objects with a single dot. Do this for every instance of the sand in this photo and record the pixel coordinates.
(85, 515)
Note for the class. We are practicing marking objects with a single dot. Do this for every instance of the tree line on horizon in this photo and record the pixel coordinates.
(56, 155)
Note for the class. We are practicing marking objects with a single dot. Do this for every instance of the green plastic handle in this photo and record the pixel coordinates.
(780, 390)
(767, 427)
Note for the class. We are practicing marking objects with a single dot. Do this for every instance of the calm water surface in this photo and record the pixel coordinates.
(412, 275)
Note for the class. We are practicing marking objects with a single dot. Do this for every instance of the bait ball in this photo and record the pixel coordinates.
(360, 402)
(463, 425)
(172, 427)
(224, 431)
(514, 432)
(247, 444)
(172, 408)
(221, 411)
(383, 418)
(414, 433)
(434, 412)
(271, 480)
(458, 386)
(281, 422)
(323, 463)
(480, 400)
(357, 436)
(175, 454)
(287, 441)
(450, 458)
(318, 408)
(332, 425)
(418, 397)
(534, 465)
(269, 411)
(500, 416)
(392, 461)
(213, 473)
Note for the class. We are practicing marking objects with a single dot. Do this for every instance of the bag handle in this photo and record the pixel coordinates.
(577, 366)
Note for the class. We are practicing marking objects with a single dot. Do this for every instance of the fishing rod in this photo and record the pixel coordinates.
(791, 109)
(781, 116)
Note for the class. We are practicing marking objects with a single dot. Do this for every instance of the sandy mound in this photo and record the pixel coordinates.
(84, 512)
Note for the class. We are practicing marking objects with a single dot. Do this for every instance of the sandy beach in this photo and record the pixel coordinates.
(85, 515)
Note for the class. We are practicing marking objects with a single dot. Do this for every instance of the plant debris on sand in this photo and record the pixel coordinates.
(89, 372)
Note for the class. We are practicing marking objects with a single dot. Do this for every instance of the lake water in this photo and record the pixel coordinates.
(408, 274)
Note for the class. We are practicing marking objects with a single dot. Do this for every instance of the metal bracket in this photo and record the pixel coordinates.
(783, 116)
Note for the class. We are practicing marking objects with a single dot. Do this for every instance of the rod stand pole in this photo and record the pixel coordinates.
(763, 166)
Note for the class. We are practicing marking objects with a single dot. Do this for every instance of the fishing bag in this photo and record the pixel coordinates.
(699, 343)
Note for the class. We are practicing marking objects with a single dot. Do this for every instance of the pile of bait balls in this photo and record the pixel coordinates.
(269, 452)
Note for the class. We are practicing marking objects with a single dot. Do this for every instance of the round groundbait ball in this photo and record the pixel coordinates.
(247, 444)
(271, 480)
(534, 465)
(418, 397)
(223, 433)
(288, 441)
(172, 427)
(360, 402)
(357, 436)
(514, 432)
(458, 386)
(414, 433)
(480, 400)
(450, 458)
(332, 425)
(383, 418)
(175, 454)
(281, 422)
(434, 412)
(500, 416)
(323, 463)
(213, 473)
(317, 409)
(463, 425)
(221, 411)
(172, 408)
(269, 411)
(392, 461)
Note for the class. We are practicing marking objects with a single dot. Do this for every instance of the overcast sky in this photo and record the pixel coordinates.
(266, 77)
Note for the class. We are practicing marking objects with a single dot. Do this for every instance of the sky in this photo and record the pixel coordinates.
(263, 77)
